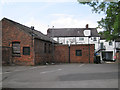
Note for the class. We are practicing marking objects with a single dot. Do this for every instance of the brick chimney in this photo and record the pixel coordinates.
(48, 31)
(87, 26)
(32, 27)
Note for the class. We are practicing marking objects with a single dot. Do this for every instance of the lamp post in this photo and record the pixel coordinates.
(87, 33)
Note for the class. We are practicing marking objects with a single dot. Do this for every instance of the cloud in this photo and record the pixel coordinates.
(37, 25)
(59, 15)
(62, 21)
(58, 1)
(70, 21)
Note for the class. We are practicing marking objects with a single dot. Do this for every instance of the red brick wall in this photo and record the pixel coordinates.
(10, 33)
(85, 53)
(40, 56)
(62, 53)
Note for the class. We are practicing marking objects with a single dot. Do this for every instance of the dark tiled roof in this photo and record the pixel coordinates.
(34, 33)
(70, 32)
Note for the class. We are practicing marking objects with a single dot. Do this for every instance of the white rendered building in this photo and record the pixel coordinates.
(74, 36)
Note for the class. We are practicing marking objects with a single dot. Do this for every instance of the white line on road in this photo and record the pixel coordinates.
(6, 72)
(81, 65)
(38, 67)
(33, 68)
(50, 71)
(23, 69)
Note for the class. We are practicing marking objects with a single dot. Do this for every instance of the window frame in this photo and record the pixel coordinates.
(78, 51)
(81, 38)
(94, 38)
(45, 48)
(110, 43)
(28, 52)
(49, 48)
(17, 49)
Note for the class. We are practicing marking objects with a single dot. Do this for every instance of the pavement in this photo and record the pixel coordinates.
(61, 76)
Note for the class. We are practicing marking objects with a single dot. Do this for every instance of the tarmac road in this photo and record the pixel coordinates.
(61, 76)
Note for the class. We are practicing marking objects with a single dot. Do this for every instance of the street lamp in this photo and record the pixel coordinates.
(87, 33)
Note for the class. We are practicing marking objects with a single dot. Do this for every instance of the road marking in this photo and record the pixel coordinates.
(50, 71)
(24, 69)
(81, 65)
(33, 68)
(42, 67)
(6, 72)
(17, 70)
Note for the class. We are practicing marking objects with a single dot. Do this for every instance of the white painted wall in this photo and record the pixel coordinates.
(117, 44)
(84, 40)
(78, 40)
(109, 47)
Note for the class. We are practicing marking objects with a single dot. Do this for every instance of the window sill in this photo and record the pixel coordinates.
(15, 55)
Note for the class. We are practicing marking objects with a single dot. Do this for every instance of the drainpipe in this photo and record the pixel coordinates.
(32, 27)
(69, 52)
(33, 53)
(89, 48)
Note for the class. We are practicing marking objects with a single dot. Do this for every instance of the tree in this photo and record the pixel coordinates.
(111, 22)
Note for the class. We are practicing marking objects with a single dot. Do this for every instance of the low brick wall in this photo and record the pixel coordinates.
(42, 59)
(64, 55)
(85, 53)
(61, 54)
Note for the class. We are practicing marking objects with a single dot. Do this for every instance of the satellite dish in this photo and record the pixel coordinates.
(87, 32)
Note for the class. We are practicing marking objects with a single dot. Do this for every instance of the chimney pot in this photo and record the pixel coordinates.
(86, 25)
(32, 27)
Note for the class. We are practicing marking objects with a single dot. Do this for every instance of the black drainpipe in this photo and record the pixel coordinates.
(69, 53)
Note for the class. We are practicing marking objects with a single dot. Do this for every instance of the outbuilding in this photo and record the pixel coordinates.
(24, 45)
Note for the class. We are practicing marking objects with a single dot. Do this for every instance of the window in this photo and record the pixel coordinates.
(26, 50)
(110, 43)
(81, 39)
(94, 39)
(49, 49)
(78, 52)
(16, 48)
(101, 45)
(45, 48)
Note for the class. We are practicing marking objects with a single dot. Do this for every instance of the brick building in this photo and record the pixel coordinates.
(23, 45)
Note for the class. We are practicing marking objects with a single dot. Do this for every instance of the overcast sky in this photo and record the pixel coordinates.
(43, 14)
